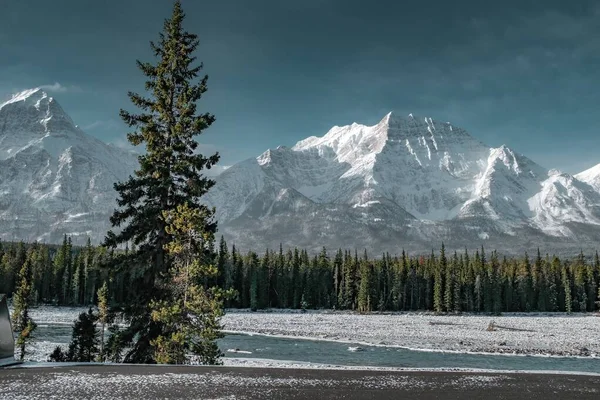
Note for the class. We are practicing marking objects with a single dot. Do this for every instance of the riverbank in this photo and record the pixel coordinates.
(548, 334)
(540, 334)
(175, 382)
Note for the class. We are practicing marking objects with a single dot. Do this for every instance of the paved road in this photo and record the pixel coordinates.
(172, 382)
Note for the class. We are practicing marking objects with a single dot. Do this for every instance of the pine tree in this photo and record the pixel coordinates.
(190, 318)
(552, 285)
(296, 280)
(349, 279)
(87, 268)
(478, 291)
(338, 279)
(566, 282)
(21, 320)
(78, 279)
(458, 268)
(223, 270)
(365, 301)
(238, 276)
(438, 290)
(169, 175)
(84, 339)
(102, 316)
(496, 284)
(449, 271)
(60, 264)
(114, 345)
(67, 278)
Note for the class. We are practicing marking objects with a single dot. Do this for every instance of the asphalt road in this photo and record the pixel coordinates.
(174, 382)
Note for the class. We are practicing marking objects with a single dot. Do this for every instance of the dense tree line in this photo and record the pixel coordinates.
(460, 282)
(60, 275)
(467, 281)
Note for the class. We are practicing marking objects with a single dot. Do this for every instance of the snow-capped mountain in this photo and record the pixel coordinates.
(591, 176)
(404, 182)
(54, 179)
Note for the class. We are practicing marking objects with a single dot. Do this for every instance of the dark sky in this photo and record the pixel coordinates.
(521, 73)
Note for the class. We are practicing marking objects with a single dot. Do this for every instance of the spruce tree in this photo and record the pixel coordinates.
(457, 267)
(169, 175)
(60, 264)
(496, 284)
(365, 301)
(223, 270)
(190, 317)
(449, 271)
(102, 316)
(21, 320)
(84, 339)
(566, 282)
(253, 266)
(438, 290)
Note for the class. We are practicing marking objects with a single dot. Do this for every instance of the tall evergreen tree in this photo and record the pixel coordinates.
(190, 316)
(169, 175)
(103, 314)
(566, 283)
(84, 339)
(438, 289)
(365, 298)
(22, 322)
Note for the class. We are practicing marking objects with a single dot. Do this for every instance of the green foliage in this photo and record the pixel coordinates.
(113, 351)
(169, 177)
(103, 316)
(190, 319)
(23, 298)
(399, 283)
(365, 292)
(84, 339)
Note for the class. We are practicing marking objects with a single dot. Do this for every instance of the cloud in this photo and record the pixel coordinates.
(124, 144)
(58, 88)
(103, 124)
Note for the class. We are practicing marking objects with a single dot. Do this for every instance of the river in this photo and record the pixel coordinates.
(54, 329)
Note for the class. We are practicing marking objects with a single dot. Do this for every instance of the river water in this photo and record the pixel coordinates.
(50, 335)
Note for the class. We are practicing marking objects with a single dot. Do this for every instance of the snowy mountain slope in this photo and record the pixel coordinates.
(562, 199)
(405, 177)
(591, 176)
(54, 179)
(404, 182)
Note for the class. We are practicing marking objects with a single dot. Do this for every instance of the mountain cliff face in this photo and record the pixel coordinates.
(54, 179)
(405, 182)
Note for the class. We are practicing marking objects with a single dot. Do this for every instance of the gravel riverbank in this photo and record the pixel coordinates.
(524, 334)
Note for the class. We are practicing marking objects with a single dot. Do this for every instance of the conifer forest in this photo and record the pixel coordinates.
(478, 281)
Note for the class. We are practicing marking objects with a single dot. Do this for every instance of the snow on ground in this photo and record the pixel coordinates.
(269, 363)
(213, 384)
(55, 315)
(533, 334)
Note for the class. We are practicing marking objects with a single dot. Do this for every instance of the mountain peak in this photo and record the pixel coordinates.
(29, 96)
(54, 179)
(32, 111)
(591, 176)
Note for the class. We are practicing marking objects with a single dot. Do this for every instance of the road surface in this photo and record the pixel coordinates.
(189, 382)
